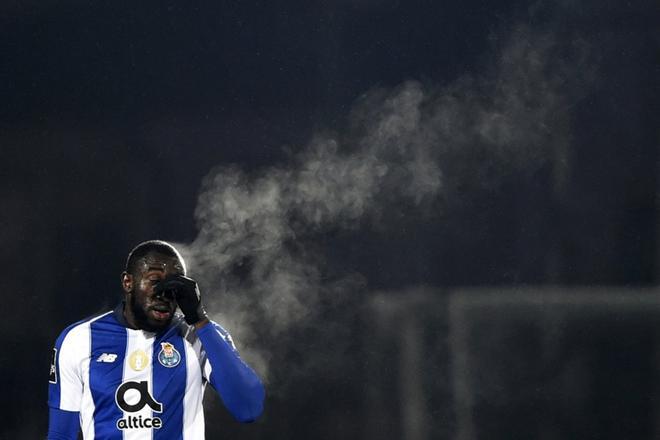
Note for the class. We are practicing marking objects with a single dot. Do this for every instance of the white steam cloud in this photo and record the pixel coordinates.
(254, 253)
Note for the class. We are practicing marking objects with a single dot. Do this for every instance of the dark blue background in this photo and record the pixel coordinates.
(111, 114)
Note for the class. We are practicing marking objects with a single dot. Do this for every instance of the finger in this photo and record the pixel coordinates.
(172, 277)
(185, 279)
(169, 285)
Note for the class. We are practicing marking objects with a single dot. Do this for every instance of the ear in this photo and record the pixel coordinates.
(127, 282)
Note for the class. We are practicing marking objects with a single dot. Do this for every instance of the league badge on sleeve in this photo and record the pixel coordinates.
(168, 356)
(52, 376)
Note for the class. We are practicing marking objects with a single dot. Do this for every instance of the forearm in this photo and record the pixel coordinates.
(239, 386)
(63, 425)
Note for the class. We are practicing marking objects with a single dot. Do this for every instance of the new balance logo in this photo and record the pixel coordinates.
(107, 357)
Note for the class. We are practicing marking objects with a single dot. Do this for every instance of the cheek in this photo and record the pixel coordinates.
(142, 295)
(145, 288)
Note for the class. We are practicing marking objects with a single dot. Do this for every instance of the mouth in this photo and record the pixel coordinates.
(161, 312)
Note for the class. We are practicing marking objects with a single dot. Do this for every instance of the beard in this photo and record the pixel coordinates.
(141, 318)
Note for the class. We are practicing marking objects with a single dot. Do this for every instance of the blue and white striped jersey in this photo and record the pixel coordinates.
(134, 384)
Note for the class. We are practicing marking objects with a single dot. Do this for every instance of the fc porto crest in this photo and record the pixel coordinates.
(168, 356)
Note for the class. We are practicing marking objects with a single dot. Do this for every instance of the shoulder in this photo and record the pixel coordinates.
(220, 329)
(77, 330)
(223, 333)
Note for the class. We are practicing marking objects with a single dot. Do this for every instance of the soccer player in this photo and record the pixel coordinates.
(139, 371)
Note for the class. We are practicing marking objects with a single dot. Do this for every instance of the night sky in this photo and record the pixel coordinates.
(114, 118)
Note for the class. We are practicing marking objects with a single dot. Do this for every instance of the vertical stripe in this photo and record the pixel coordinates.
(193, 413)
(87, 406)
(137, 368)
(105, 374)
(84, 344)
(169, 384)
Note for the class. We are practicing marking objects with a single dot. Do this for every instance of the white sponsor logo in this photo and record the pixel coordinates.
(107, 357)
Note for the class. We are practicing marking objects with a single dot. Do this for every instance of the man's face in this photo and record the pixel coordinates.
(150, 312)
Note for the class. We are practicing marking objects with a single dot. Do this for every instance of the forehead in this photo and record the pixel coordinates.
(154, 261)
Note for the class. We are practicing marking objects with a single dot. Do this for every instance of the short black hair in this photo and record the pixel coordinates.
(147, 247)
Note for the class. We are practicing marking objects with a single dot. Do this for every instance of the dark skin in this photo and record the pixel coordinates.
(143, 310)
